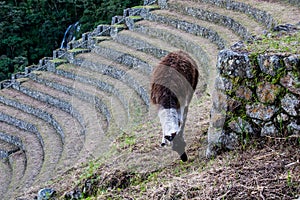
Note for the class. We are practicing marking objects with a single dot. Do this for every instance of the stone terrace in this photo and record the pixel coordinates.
(69, 108)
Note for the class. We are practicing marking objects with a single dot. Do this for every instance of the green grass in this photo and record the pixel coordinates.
(276, 43)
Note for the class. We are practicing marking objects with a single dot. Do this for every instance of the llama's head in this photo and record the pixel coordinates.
(171, 120)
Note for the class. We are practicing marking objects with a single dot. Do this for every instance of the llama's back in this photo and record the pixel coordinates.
(174, 80)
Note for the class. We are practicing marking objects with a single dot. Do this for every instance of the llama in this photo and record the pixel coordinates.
(173, 83)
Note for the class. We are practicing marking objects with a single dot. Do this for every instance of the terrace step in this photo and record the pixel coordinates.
(101, 85)
(73, 88)
(33, 152)
(102, 65)
(34, 155)
(127, 94)
(7, 147)
(240, 23)
(204, 53)
(269, 13)
(216, 34)
(73, 136)
(12, 140)
(94, 135)
(43, 158)
(105, 68)
(5, 177)
(19, 168)
(280, 11)
(131, 58)
(139, 42)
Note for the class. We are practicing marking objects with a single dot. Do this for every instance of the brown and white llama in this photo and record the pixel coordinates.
(173, 83)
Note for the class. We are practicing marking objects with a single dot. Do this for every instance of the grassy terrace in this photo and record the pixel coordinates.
(123, 159)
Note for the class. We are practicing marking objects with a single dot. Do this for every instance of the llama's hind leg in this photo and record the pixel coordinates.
(180, 112)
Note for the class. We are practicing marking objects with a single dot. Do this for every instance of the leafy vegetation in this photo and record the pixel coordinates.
(30, 30)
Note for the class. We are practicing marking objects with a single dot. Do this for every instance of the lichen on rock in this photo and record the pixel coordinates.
(267, 92)
(261, 111)
(291, 104)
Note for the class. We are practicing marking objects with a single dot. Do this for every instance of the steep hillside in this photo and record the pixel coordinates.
(81, 122)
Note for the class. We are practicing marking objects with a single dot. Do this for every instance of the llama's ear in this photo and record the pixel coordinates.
(171, 137)
(184, 157)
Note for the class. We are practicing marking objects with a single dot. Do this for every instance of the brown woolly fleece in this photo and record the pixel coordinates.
(174, 80)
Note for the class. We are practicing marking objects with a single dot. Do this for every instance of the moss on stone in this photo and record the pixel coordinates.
(118, 25)
(135, 17)
(58, 60)
(22, 80)
(154, 6)
(76, 50)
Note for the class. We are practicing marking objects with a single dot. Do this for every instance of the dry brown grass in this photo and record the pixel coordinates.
(138, 168)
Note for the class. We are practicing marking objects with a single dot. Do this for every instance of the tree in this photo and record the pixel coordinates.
(32, 29)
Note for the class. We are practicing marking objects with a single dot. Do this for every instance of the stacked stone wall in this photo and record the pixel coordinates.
(79, 94)
(187, 27)
(21, 125)
(119, 75)
(259, 15)
(11, 139)
(36, 112)
(125, 59)
(254, 95)
(97, 83)
(216, 18)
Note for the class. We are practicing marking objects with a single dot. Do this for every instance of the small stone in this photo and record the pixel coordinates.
(269, 64)
(234, 64)
(241, 126)
(294, 127)
(239, 46)
(232, 104)
(74, 194)
(223, 84)
(285, 27)
(257, 122)
(46, 194)
(291, 82)
(229, 141)
(292, 62)
(291, 104)
(244, 93)
(282, 117)
(268, 129)
(217, 120)
(261, 111)
(267, 92)
(219, 101)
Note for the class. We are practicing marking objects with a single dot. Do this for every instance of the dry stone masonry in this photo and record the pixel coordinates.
(254, 96)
